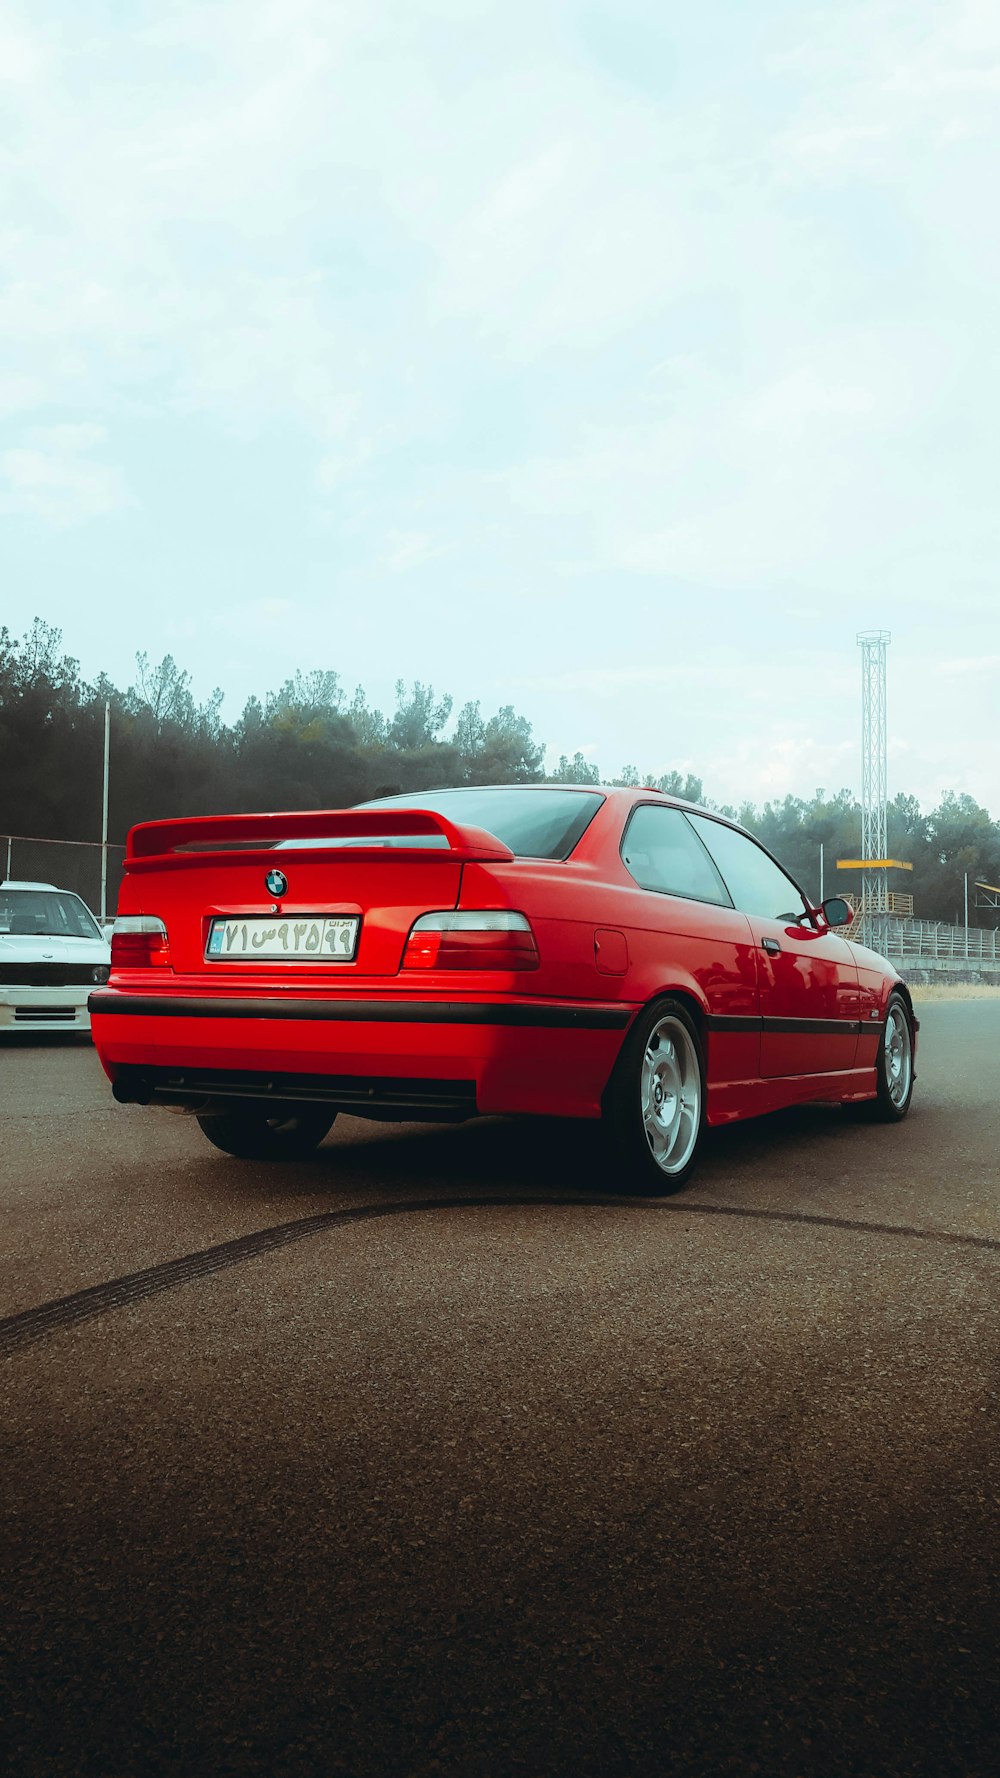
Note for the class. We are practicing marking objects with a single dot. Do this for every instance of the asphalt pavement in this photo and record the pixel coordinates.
(431, 1456)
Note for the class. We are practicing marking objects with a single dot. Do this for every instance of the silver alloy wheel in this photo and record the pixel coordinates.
(670, 1095)
(898, 1055)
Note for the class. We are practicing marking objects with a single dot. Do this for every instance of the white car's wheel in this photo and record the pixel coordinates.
(654, 1111)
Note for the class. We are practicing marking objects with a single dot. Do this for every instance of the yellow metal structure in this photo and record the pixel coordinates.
(872, 864)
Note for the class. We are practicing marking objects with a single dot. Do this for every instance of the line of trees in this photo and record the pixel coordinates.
(310, 745)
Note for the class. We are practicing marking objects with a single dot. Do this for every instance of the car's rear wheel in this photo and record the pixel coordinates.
(654, 1112)
(894, 1064)
(264, 1135)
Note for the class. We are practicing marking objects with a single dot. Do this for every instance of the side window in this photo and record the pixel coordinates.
(661, 852)
(756, 884)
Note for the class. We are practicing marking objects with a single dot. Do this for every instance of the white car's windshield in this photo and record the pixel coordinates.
(45, 913)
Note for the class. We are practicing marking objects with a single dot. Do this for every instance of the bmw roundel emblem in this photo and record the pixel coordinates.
(276, 882)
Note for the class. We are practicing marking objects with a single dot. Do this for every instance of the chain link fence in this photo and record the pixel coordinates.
(68, 864)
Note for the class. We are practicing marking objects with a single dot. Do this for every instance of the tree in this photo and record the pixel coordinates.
(164, 692)
(303, 746)
(574, 771)
(418, 720)
(500, 751)
(36, 663)
(511, 753)
(43, 739)
(306, 698)
(250, 722)
(959, 839)
(370, 726)
(470, 737)
(689, 787)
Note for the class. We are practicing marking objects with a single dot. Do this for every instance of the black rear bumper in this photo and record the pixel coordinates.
(208, 1089)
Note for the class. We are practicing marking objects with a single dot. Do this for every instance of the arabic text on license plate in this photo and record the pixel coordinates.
(306, 938)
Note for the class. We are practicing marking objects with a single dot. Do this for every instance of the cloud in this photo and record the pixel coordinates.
(18, 393)
(56, 477)
(801, 400)
(20, 56)
(731, 482)
(611, 682)
(644, 337)
(767, 765)
(412, 549)
(981, 663)
(570, 244)
(873, 111)
(834, 141)
(148, 232)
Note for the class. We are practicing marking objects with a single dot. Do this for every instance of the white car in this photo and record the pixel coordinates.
(52, 954)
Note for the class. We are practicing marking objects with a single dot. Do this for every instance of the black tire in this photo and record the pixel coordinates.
(636, 1123)
(253, 1134)
(894, 1064)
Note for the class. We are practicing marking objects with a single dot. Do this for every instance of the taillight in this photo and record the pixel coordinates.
(471, 939)
(139, 941)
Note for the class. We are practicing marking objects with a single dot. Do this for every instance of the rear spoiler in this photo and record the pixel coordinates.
(234, 839)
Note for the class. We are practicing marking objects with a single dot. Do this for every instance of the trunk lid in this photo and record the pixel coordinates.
(383, 869)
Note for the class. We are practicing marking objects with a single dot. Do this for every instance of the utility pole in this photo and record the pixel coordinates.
(821, 873)
(966, 913)
(104, 822)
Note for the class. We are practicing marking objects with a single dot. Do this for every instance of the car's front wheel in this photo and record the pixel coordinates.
(894, 1064)
(654, 1112)
(262, 1135)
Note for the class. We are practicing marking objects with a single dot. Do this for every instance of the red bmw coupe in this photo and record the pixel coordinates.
(616, 955)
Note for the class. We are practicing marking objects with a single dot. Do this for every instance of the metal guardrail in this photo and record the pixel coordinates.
(930, 939)
(899, 904)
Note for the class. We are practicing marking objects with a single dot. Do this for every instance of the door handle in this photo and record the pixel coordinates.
(771, 946)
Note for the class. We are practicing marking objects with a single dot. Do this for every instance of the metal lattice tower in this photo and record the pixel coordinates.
(874, 772)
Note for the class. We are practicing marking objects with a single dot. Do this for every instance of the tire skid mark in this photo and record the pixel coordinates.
(30, 1326)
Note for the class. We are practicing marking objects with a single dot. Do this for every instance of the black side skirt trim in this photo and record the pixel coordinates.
(793, 1027)
(392, 1012)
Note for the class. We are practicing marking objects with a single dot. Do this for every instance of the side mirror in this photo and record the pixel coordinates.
(837, 912)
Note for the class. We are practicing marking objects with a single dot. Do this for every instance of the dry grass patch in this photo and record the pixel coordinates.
(954, 991)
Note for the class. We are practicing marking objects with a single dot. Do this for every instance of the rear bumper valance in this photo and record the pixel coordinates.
(565, 1015)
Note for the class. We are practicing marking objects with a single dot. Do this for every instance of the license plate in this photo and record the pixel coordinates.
(301, 938)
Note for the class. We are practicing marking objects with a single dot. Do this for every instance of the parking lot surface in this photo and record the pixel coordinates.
(429, 1455)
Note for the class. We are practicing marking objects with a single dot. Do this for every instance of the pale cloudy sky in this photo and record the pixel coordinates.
(618, 359)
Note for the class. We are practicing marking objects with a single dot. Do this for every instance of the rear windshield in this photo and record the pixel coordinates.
(534, 823)
(45, 914)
